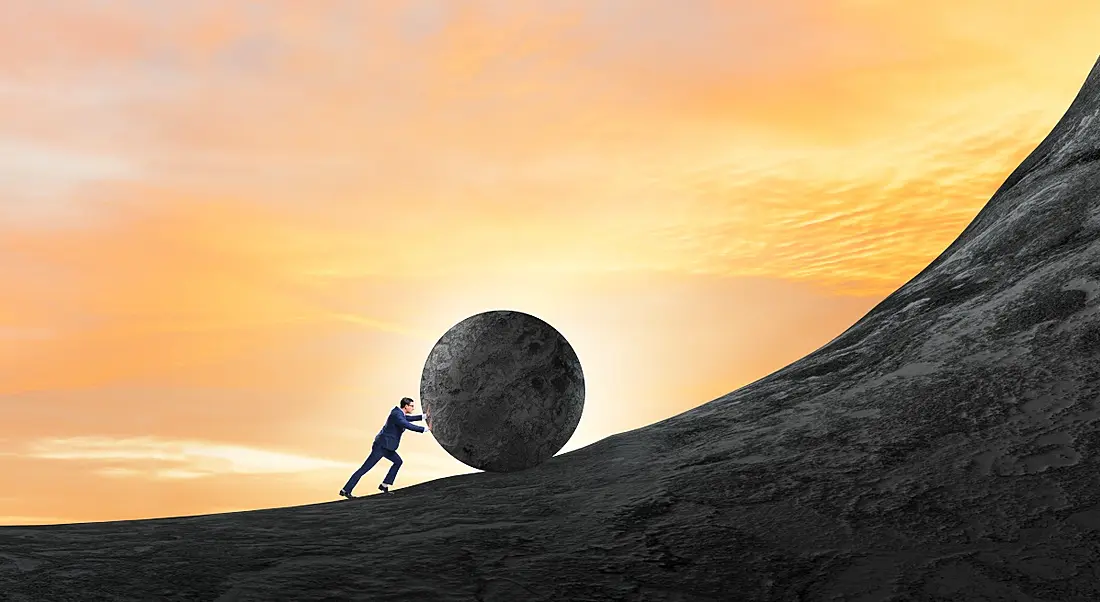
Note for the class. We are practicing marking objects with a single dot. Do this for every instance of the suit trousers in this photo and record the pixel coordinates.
(377, 452)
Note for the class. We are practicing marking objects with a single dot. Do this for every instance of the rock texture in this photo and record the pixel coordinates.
(945, 447)
(502, 391)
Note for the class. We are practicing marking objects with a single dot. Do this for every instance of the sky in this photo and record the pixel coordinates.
(231, 232)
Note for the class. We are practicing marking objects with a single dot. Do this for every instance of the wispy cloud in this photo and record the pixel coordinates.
(847, 224)
(173, 459)
(39, 182)
(17, 519)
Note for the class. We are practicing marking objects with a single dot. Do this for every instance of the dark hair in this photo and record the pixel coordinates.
(406, 401)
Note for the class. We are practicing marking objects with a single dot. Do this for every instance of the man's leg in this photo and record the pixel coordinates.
(392, 456)
(376, 454)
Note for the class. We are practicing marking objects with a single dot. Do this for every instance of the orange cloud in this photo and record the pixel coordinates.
(177, 459)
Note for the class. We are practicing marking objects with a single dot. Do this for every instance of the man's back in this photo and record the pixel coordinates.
(390, 435)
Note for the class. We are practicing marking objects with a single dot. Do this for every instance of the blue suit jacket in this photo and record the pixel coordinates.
(390, 435)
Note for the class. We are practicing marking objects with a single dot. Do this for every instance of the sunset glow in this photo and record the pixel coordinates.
(230, 231)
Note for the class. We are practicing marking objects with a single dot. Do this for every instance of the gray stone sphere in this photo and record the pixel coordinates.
(502, 391)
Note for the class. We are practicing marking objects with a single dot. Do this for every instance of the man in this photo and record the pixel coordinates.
(385, 446)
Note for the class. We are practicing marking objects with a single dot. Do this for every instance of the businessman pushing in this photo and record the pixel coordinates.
(385, 446)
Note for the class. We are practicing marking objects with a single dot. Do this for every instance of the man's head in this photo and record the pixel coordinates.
(408, 405)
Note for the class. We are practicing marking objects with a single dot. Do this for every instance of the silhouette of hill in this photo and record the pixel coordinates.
(945, 447)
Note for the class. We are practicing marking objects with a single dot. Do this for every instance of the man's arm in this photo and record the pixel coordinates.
(405, 423)
(414, 417)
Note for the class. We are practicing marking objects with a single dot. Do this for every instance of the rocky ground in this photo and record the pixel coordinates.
(945, 447)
